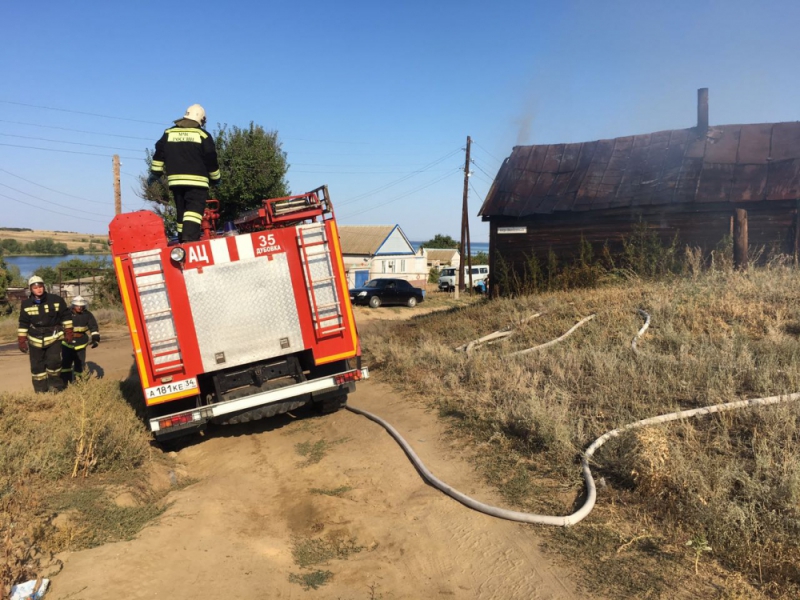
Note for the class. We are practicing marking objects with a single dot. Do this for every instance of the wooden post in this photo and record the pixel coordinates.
(796, 232)
(740, 239)
(117, 190)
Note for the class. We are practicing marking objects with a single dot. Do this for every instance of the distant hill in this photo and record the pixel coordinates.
(72, 240)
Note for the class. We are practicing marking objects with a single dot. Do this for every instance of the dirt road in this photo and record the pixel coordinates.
(272, 494)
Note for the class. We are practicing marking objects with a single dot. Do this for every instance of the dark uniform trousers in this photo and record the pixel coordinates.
(190, 203)
(45, 363)
(73, 356)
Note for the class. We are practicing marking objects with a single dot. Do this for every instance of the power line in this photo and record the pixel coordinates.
(47, 201)
(474, 190)
(404, 178)
(414, 191)
(69, 151)
(27, 137)
(487, 152)
(79, 112)
(130, 137)
(477, 166)
(50, 189)
(55, 212)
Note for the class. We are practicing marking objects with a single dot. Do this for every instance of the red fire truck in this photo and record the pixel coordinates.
(237, 326)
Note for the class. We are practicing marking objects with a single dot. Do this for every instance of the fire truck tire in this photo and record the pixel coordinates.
(374, 302)
(331, 405)
(412, 302)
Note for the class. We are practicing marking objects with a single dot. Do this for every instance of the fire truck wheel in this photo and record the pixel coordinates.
(412, 302)
(374, 302)
(331, 405)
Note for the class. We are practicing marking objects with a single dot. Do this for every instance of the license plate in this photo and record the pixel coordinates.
(171, 388)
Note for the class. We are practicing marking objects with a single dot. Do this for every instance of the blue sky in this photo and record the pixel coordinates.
(373, 99)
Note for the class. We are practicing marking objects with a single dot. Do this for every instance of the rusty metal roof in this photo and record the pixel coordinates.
(729, 163)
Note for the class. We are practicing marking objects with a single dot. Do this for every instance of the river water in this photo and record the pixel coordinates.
(28, 264)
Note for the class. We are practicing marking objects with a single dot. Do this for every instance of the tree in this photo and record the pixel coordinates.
(441, 241)
(253, 168)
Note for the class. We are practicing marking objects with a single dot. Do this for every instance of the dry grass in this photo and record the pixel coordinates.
(90, 432)
(72, 240)
(731, 479)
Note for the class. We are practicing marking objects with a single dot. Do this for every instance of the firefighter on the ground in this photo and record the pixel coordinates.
(44, 320)
(85, 332)
(186, 153)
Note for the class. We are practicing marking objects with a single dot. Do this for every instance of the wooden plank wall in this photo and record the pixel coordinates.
(702, 227)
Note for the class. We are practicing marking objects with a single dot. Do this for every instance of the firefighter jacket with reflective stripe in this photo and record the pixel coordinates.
(187, 155)
(84, 326)
(42, 321)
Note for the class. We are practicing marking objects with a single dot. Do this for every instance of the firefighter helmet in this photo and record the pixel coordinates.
(196, 113)
(35, 279)
(78, 301)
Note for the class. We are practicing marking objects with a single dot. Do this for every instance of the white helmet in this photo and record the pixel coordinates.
(78, 301)
(35, 279)
(196, 113)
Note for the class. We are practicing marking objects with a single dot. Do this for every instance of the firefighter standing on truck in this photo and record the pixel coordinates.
(188, 155)
(85, 331)
(44, 319)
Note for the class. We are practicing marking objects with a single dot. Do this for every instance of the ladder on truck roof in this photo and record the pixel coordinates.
(315, 256)
(160, 334)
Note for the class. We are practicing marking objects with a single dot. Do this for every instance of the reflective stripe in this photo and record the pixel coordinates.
(192, 217)
(32, 310)
(157, 166)
(22, 331)
(195, 130)
(190, 180)
(80, 347)
(215, 175)
(184, 135)
(66, 370)
(67, 324)
(53, 371)
(38, 376)
(80, 329)
(44, 342)
(180, 227)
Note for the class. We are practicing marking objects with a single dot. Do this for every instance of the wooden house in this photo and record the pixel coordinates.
(698, 184)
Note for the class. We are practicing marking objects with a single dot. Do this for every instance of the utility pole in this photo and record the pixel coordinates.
(465, 228)
(117, 191)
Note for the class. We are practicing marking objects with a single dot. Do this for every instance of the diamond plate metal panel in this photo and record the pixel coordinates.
(243, 309)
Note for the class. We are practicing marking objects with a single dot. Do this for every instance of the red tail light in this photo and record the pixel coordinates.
(349, 376)
(174, 421)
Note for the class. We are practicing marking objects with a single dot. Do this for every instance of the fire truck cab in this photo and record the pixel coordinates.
(239, 326)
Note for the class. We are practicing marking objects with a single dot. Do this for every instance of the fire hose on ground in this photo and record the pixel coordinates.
(591, 489)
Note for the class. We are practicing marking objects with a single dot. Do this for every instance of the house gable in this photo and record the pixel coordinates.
(395, 243)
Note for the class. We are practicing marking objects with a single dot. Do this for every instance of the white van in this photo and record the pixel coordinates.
(448, 277)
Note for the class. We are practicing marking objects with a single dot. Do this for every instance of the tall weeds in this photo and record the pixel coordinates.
(718, 336)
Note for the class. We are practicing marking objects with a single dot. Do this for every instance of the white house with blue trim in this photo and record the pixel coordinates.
(375, 251)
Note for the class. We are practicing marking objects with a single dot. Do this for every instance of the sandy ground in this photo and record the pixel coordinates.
(231, 534)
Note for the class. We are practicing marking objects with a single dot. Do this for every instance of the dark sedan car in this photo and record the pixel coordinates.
(387, 291)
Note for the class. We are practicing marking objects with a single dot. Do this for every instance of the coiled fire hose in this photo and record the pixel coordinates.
(591, 489)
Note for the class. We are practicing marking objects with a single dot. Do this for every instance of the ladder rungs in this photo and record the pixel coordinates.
(148, 285)
(173, 367)
(163, 340)
(146, 273)
(166, 353)
(327, 330)
(157, 312)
